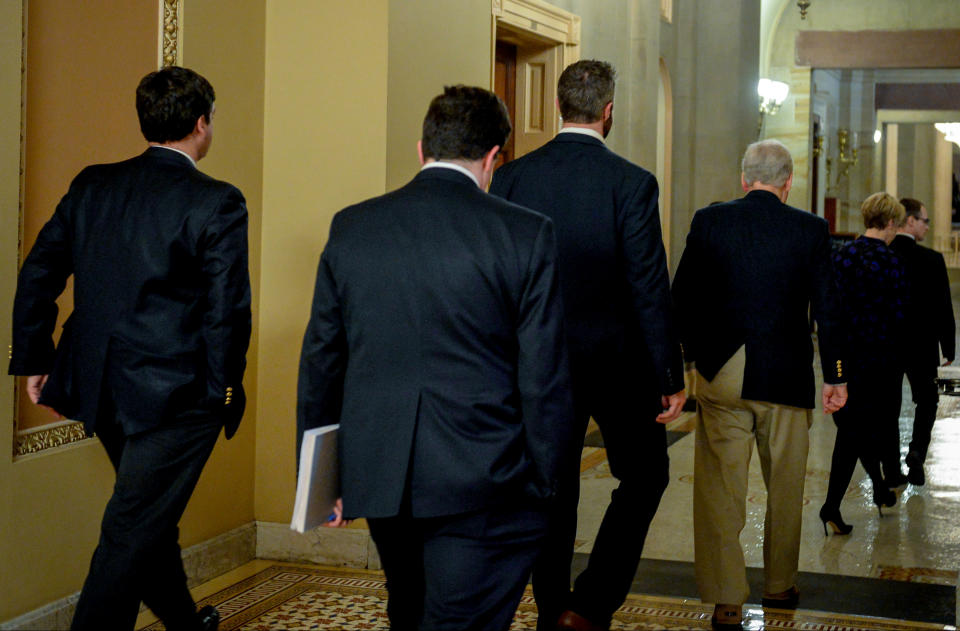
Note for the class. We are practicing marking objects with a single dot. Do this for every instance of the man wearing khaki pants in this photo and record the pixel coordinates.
(751, 272)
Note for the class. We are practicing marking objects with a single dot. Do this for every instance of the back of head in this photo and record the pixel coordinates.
(584, 89)
(879, 209)
(767, 162)
(464, 123)
(913, 207)
(169, 102)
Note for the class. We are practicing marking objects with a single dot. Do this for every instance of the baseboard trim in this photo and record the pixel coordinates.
(201, 562)
(345, 547)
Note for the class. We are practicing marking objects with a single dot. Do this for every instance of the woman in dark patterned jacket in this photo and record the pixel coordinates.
(874, 292)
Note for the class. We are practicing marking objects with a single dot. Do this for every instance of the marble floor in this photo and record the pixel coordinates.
(918, 540)
(898, 571)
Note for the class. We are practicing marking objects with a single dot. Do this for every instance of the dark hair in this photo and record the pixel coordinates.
(169, 102)
(912, 206)
(584, 89)
(464, 123)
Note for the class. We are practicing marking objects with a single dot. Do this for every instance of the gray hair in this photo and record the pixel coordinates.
(767, 162)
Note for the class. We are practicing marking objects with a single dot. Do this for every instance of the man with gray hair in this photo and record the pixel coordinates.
(758, 267)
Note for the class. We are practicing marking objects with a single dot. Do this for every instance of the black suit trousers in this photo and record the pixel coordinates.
(463, 572)
(923, 385)
(636, 449)
(138, 555)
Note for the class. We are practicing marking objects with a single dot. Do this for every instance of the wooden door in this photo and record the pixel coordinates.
(505, 86)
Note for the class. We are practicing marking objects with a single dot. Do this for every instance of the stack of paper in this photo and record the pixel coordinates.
(318, 481)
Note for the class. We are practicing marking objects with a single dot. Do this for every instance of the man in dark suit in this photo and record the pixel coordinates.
(152, 356)
(436, 341)
(932, 329)
(625, 360)
(751, 271)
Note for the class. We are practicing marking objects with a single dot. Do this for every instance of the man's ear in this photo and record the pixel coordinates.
(490, 157)
(743, 183)
(608, 110)
(420, 151)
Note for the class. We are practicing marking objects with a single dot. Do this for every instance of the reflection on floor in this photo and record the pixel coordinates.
(898, 571)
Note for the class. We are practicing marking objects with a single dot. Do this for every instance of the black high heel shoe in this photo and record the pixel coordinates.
(836, 522)
(883, 496)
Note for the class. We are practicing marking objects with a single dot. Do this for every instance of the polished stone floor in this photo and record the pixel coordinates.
(917, 541)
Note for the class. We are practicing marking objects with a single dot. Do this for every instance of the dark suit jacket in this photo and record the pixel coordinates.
(158, 251)
(752, 271)
(613, 273)
(929, 318)
(435, 340)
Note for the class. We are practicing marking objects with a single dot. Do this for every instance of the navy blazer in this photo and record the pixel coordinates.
(436, 341)
(930, 319)
(613, 272)
(751, 273)
(158, 252)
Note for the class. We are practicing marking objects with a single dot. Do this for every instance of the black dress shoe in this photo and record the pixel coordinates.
(915, 476)
(778, 601)
(209, 618)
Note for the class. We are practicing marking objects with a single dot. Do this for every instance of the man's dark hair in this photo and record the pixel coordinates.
(169, 102)
(464, 123)
(912, 206)
(584, 89)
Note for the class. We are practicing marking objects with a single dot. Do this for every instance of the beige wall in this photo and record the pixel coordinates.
(224, 41)
(325, 135)
(433, 43)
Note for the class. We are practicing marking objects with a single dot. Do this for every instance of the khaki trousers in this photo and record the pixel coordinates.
(727, 426)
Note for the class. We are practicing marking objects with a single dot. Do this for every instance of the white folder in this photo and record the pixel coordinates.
(318, 481)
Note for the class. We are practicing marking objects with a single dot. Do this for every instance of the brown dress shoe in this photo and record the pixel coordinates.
(572, 621)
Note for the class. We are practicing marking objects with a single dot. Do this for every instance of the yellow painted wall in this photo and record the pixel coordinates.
(224, 41)
(433, 43)
(324, 137)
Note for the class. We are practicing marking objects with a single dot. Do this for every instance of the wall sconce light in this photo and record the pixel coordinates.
(950, 131)
(877, 136)
(804, 5)
(847, 153)
(772, 95)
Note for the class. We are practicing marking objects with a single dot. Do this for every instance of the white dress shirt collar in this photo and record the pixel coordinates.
(582, 130)
(441, 164)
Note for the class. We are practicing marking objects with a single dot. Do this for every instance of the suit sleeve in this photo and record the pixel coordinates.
(825, 309)
(946, 325)
(543, 375)
(42, 279)
(685, 290)
(646, 274)
(323, 357)
(226, 321)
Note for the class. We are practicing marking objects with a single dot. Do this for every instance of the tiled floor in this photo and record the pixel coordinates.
(917, 541)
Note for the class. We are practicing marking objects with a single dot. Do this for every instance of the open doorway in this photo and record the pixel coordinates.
(532, 43)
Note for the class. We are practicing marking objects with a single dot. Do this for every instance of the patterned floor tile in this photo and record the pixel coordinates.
(320, 598)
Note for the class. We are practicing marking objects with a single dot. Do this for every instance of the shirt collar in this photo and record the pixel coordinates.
(183, 153)
(907, 235)
(441, 164)
(582, 130)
